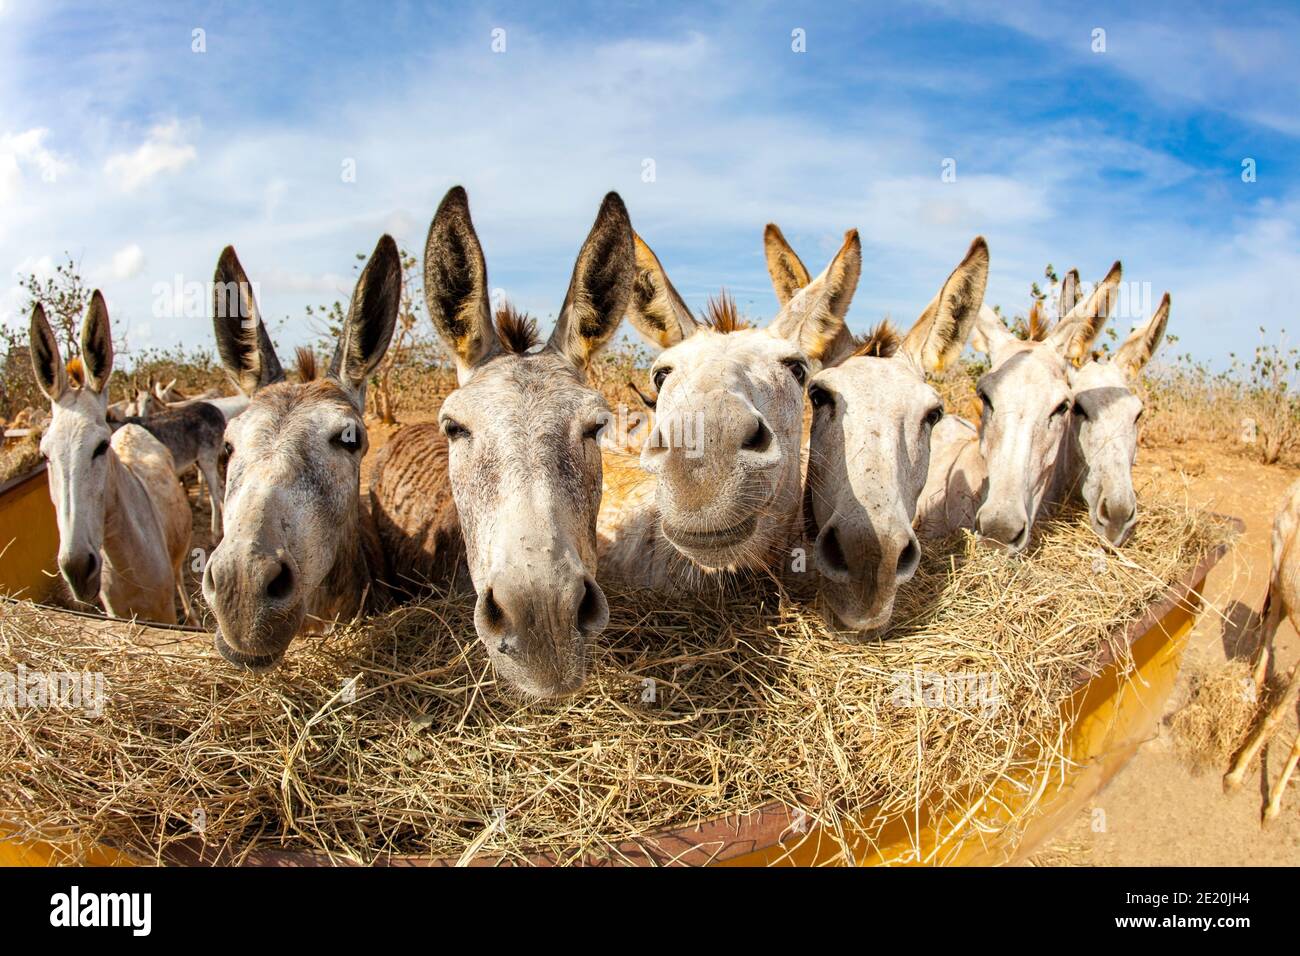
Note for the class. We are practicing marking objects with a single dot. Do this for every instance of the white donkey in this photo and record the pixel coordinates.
(724, 460)
(1097, 459)
(869, 451)
(517, 449)
(998, 477)
(124, 521)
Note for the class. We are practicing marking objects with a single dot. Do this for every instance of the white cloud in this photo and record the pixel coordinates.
(27, 151)
(128, 262)
(165, 151)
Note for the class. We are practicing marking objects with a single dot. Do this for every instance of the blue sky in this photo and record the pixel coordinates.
(142, 158)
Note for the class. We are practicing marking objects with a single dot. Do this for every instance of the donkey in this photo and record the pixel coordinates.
(194, 434)
(1283, 600)
(869, 449)
(124, 521)
(520, 442)
(1097, 458)
(1027, 399)
(725, 454)
(299, 551)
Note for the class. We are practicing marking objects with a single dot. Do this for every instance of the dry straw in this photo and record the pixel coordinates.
(695, 707)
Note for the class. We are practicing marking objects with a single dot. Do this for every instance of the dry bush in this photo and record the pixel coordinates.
(1254, 409)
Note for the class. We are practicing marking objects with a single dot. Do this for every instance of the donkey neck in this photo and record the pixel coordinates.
(132, 531)
(1068, 471)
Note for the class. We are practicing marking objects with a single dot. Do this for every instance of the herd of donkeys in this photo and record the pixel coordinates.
(513, 489)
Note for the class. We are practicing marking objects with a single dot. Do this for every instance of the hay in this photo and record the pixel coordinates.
(752, 702)
(1220, 711)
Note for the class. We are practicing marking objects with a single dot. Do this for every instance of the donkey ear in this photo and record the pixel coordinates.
(787, 270)
(814, 316)
(600, 288)
(455, 284)
(654, 309)
(245, 348)
(1138, 348)
(97, 345)
(47, 366)
(1074, 334)
(989, 334)
(940, 334)
(370, 322)
(1069, 293)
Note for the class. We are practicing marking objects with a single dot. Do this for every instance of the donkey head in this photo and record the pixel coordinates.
(290, 559)
(523, 446)
(1104, 429)
(870, 449)
(726, 446)
(76, 443)
(1027, 398)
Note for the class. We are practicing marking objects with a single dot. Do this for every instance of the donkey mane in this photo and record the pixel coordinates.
(721, 314)
(516, 331)
(881, 342)
(76, 372)
(305, 359)
(1039, 325)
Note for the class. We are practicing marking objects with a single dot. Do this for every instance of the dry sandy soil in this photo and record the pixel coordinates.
(1157, 811)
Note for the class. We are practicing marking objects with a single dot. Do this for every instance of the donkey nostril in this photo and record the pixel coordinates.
(908, 559)
(760, 439)
(92, 562)
(831, 553)
(492, 611)
(281, 586)
(593, 611)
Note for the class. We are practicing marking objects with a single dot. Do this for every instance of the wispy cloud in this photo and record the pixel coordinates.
(164, 151)
(300, 143)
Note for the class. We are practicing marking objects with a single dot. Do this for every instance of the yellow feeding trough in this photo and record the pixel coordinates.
(725, 729)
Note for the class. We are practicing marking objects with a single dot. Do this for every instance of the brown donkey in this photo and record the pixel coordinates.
(299, 552)
(518, 443)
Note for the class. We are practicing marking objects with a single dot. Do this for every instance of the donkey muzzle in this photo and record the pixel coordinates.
(82, 572)
(257, 598)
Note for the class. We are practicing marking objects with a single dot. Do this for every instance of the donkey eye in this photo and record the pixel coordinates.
(1061, 409)
(659, 375)
(348, 439)
(797, 368)
(1079, 410)
(933, 416)
(454, 430)
(1139, 415)
(592, 431)
(100, 449)
(988, 402)
(819, 397)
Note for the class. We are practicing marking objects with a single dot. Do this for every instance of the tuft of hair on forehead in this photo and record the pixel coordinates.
(1039, 324)
(721, 314)
(516, 331)
(76, 372)
(881, 342)
(305, 360)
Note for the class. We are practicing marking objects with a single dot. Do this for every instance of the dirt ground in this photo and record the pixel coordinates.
(1157, 811)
